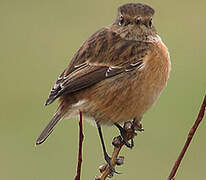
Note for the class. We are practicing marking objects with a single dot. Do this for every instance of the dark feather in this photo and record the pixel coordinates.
(48, 129)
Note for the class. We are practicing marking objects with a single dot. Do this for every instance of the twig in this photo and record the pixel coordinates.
(189, 138)
(118, 144)
(81, 137)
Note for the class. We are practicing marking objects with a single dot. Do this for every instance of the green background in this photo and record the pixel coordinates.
(37, 40)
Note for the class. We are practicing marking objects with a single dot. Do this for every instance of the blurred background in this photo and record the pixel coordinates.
(37, 40)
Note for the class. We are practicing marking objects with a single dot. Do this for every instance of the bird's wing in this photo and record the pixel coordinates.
(103, 55)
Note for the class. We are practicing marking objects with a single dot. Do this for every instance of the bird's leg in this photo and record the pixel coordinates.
(106, 156)
(123, 133)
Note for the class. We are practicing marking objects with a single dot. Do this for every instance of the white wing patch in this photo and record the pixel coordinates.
(136, 65)
(109, 70)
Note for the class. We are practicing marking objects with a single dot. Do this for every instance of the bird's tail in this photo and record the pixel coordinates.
(49, 128)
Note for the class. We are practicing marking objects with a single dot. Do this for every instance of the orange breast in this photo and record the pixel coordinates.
(129, 95)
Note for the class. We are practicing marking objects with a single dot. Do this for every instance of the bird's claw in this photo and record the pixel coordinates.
(112, 169)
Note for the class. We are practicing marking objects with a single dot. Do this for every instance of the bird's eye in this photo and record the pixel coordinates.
(138, 20)
(121, 20)
(150, 23)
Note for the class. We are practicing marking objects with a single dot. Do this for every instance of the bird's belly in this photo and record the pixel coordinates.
(121, 101)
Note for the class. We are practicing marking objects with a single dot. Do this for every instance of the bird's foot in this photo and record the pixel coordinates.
(112, 169)
(124, 134)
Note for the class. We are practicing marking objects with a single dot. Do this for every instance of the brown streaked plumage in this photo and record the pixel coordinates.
(116, 75)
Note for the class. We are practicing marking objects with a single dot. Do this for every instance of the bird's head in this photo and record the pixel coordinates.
(134, 21)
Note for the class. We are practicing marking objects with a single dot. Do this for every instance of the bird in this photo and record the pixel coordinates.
(116, 75)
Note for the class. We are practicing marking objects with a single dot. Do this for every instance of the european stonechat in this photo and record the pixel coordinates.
(116, 75)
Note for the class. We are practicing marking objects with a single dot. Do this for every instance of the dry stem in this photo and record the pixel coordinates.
(118, 144)
(189, 138)
(81, 137)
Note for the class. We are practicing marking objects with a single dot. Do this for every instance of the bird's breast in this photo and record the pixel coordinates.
(154, 76)
(130, 94)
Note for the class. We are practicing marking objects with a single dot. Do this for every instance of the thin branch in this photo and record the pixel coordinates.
(189, 138)
(81, 137)
(118, 144)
